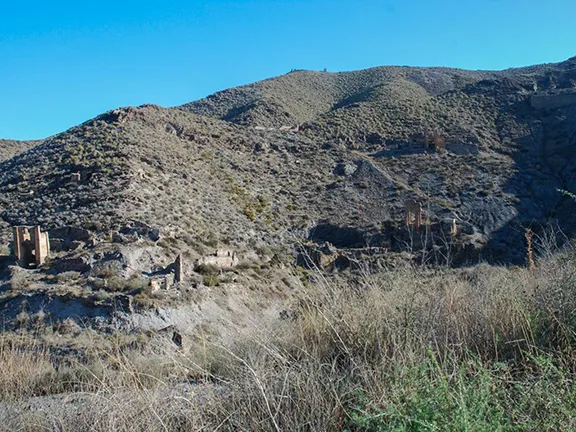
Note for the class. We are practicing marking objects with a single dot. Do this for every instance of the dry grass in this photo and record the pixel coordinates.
(414, 348)
(24, 372)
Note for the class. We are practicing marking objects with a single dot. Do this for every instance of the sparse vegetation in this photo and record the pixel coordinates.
(481, 348)
(371, 341)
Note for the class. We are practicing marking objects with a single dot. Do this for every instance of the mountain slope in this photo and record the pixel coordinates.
(10, 148)
(208, 173)
(301, 96)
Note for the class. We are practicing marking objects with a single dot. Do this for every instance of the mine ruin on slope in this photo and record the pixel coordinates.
(30, 245)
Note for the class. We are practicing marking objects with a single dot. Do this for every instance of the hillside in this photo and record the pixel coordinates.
(10, 148)
(506, 155)
(224, 168)
(483, 153)
(302, 96)
(244, 260)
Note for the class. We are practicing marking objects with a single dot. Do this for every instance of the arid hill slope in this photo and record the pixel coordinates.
(10, 148)
(195, 248)
(507, 154)
(224, 170)
(302, 96)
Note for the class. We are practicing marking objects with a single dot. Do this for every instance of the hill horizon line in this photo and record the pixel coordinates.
(521, 69)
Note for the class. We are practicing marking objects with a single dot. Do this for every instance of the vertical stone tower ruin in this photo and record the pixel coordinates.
(413, 210)
(30, 246)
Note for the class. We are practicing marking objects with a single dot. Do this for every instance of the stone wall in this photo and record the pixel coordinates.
(222, 258)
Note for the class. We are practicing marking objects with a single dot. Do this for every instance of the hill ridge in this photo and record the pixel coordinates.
(256, 164)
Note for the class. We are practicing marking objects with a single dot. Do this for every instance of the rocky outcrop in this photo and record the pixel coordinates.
(81, 264)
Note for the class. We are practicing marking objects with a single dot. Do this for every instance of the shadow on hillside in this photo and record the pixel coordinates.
(5, 261)
(543, 163)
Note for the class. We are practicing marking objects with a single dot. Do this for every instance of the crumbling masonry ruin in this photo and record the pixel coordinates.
(30, 245)
(413, 210)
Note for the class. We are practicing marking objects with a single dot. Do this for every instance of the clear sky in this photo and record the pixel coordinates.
(62, 63)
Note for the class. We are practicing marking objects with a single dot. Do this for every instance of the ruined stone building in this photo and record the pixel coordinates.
(413, 211)
(30, 245)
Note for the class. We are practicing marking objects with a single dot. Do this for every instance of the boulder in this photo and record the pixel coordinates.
(345, 169)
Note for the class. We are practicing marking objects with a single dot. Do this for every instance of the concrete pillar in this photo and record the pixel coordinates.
(418, 216)
(41, 244)
(37, 241)
(17, 243)
(44, 246)
(413, 211)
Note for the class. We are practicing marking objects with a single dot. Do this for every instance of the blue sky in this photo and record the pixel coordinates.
(62, 63)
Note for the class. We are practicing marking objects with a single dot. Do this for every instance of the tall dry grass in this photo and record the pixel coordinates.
(25, 371)
(413, 348)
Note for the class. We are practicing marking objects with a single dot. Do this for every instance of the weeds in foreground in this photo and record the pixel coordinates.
(414, 348)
